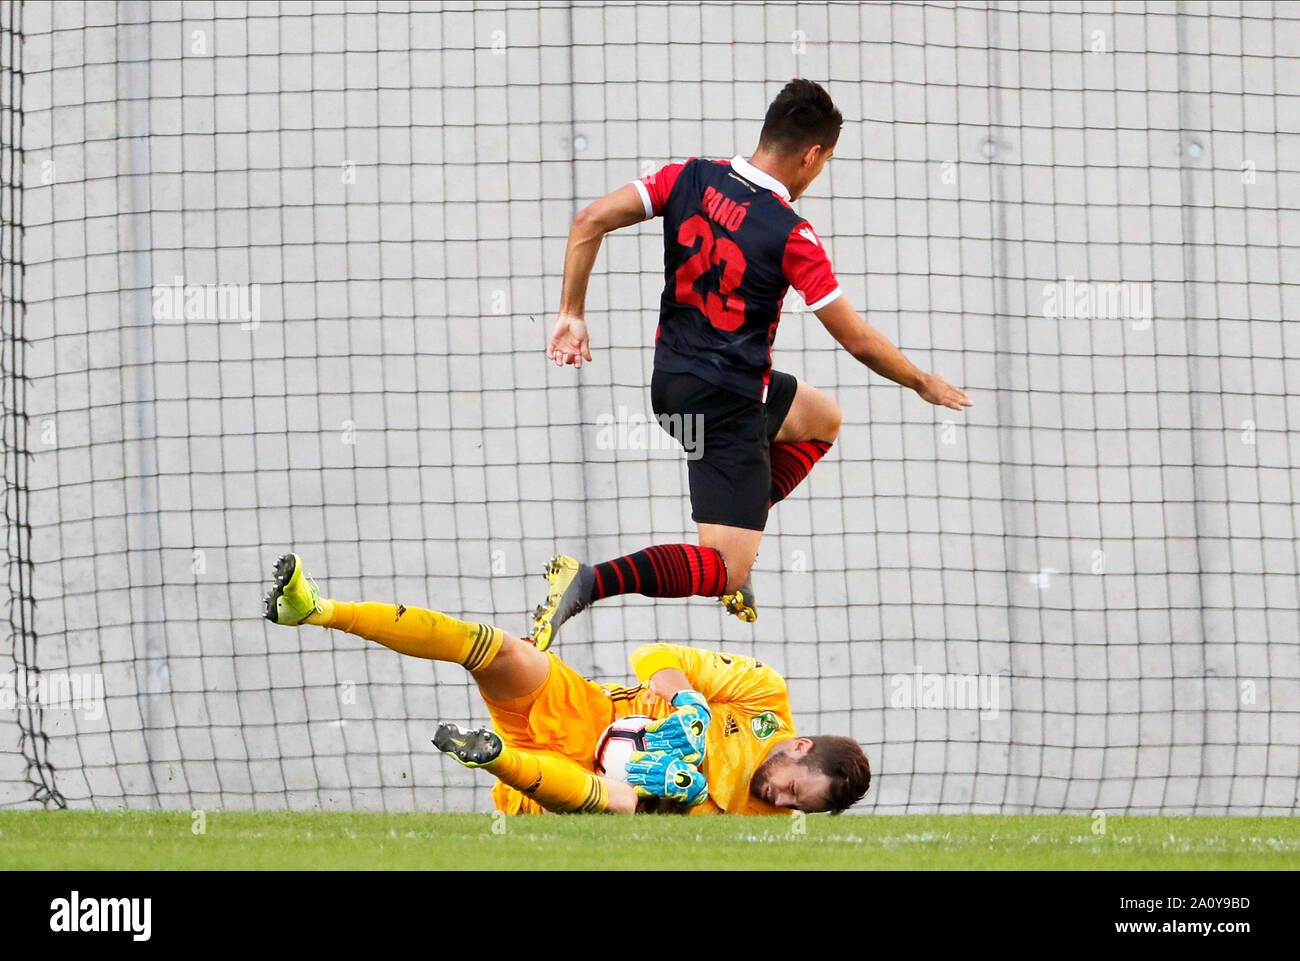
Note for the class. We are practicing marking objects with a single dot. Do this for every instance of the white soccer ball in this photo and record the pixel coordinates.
(616, 745)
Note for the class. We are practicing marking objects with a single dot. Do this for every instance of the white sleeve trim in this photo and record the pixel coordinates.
(645, 198)
(824, 301)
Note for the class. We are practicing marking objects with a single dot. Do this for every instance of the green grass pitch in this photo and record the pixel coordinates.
(86, 840)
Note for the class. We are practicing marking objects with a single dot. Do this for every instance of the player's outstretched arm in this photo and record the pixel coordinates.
(569, 342)
(874, 349)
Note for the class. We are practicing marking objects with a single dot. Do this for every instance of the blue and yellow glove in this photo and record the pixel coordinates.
(682, 732)
(655, 774)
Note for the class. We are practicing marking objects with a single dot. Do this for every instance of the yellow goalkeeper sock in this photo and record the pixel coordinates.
(414, 631)
(557, 784)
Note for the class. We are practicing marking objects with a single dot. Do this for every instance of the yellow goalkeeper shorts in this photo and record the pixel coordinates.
(563, 718)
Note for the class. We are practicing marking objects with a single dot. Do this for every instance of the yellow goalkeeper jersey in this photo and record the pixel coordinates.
(751, 714)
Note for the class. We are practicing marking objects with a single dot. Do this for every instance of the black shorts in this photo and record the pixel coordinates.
(726, 437)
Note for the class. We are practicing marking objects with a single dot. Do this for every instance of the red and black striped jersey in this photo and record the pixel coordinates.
(732, 248)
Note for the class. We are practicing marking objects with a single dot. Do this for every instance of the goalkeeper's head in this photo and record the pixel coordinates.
(823, 773)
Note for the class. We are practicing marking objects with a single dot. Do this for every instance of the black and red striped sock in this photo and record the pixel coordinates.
(791, 462)
(665, 570)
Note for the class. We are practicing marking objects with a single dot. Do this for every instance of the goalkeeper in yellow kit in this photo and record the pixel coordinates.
(723, 741)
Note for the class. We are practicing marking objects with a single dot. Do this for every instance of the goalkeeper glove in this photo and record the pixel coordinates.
(655, 774)
(682, 732)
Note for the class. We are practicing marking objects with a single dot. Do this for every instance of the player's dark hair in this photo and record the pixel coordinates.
(845, 763)
(801, 115)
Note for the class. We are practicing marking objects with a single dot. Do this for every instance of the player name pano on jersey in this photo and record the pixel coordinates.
(723, 210)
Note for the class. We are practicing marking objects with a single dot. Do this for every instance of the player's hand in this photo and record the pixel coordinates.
(682, 732)
(942, 394)
(568, 343)
(667, 776)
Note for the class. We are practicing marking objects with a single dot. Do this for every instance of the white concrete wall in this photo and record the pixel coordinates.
(1110, 531)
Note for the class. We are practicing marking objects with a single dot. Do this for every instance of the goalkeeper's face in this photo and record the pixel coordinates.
(783, 779)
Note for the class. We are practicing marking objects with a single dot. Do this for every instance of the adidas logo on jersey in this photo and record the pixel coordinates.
(731, 727)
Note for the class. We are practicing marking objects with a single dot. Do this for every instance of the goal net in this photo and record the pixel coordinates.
(280, 276)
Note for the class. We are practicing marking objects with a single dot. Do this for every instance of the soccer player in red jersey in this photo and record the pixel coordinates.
(733, 246)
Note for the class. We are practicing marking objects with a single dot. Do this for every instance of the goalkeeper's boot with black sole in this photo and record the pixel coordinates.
(742, 603)
(569, 587)
(294, 595)
(470, 748)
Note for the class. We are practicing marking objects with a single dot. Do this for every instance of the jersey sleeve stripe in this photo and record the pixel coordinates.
(645, 198)
(819, 304)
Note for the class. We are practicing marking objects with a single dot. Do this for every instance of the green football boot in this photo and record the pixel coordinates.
(294, 595)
